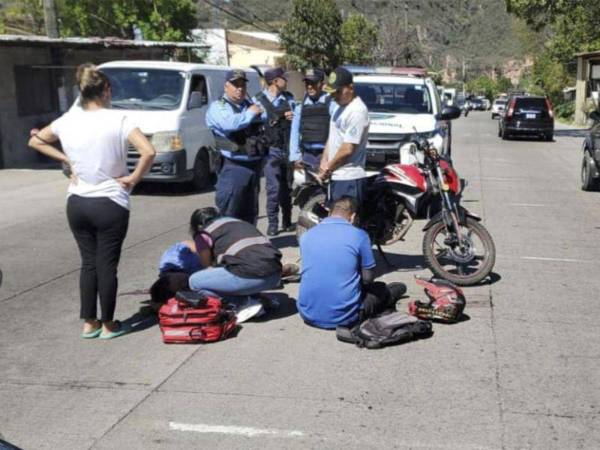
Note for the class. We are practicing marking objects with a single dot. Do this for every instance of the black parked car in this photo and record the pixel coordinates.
(590, 166)
(527, 115)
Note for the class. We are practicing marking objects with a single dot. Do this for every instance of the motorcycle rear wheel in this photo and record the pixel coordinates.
(312, 206)
(459, 273)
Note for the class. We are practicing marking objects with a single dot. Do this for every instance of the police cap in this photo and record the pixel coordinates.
(316, 75)
(235, 74)
(272, 74)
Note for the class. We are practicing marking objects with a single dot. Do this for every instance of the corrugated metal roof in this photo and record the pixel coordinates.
(584, 54)
(8, 39)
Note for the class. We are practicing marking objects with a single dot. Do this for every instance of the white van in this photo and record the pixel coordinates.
(168, 101)
(401, 106)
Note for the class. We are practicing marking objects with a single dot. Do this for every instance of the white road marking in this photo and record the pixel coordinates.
(227, 429)
(539, 258)
(526, 204)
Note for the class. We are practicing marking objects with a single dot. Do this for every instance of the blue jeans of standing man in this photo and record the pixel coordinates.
(225, 284)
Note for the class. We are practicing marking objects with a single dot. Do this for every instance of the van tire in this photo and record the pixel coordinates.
(201, 178)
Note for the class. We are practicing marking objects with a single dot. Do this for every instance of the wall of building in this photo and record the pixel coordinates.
(244, 56)
(583, 88)
(14, 128)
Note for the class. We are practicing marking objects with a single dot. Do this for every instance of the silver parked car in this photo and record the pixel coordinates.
(498, 107)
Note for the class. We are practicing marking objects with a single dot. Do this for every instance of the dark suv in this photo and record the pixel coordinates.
(527, 115)
(590, 166)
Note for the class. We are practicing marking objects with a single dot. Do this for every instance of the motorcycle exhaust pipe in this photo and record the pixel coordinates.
(304, 220)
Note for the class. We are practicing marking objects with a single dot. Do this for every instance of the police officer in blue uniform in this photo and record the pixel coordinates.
(237, 127)
(278, 106)
(310, 126)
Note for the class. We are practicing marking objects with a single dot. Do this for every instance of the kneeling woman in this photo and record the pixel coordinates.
(246, 263)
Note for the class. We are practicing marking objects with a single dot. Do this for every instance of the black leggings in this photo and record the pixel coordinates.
(99, 226)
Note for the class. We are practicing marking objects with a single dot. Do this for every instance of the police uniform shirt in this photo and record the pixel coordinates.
(222, 119)
(295, 138)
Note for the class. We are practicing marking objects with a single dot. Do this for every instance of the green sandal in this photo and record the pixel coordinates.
(92, 334)
(123, 329)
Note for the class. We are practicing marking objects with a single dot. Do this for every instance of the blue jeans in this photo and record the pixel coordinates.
(219, 281)
(350, 188)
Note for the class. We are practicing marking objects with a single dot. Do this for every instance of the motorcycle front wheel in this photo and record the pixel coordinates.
(463, 264)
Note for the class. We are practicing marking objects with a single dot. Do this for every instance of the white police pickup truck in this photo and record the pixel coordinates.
(401, 106)
(168, 101)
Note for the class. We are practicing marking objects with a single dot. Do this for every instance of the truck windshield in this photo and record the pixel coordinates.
(146, 89)
(398, 98)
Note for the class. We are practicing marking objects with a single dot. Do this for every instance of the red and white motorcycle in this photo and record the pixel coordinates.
(456, 246)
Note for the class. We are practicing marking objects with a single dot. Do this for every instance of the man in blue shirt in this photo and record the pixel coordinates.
(310, 126)
(236, 124)
(278, 106)
(336, 287)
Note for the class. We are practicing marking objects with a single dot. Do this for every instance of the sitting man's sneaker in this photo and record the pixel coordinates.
(272, 230)
(290, 273)
(397, 290)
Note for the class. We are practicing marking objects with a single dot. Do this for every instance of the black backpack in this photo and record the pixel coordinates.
(387, 329)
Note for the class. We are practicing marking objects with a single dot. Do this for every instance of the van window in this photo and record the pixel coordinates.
(145, 89)
(198, 93)
(398, 98)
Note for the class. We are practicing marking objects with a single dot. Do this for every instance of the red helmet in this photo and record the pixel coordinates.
(446, 301)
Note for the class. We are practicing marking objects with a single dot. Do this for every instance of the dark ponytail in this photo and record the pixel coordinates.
(201, 218)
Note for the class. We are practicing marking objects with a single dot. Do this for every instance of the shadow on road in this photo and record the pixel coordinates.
(398, 263)
(288, 240)
(578, 133)
(287, 307)
(168, 189)
(143, 319)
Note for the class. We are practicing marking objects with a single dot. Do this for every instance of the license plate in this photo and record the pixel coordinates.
(530, 116)
(376, 157)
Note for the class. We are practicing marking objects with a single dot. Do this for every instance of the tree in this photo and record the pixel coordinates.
(483, 85)
(503, 84)
(311, 36)
(574, 25)
(359, 38)
(158, 19)
(549, 77)
(22, 17)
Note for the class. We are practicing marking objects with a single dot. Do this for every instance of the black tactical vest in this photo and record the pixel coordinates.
(277, 128)
(242, 249)
(314, 122)
(250, 141)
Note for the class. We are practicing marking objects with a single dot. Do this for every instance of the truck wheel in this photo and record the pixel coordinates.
(202, 177)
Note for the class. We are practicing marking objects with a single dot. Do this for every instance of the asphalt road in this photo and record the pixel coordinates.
(521, 373)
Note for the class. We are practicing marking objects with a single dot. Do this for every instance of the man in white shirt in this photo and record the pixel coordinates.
(344, 156)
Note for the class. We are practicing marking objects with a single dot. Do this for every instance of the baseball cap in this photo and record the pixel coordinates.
(276, 72)
(339, 78)
(314, 75)
(235, 74)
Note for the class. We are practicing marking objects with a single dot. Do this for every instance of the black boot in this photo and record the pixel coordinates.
(272, 229)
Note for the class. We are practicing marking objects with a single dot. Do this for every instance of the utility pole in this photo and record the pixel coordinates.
(50, 19)
(406, 51)
(464, 79)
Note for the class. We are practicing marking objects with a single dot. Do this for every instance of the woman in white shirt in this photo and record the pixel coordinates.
(95, 139)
